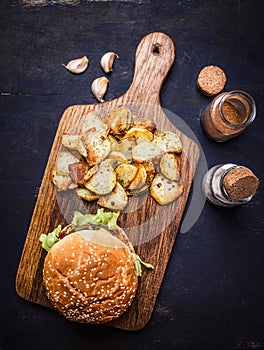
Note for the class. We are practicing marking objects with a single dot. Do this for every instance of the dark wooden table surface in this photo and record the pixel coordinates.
(212, 294)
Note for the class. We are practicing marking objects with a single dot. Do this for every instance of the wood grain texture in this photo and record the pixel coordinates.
(151, 228)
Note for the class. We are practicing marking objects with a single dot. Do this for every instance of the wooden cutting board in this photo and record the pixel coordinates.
(152, 228)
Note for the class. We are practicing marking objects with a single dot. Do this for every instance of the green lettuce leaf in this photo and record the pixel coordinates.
(108, 219)
(55, 236)
(50, 239)
(138, 263)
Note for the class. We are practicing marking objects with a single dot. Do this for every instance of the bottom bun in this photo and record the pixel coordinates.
(90, 276)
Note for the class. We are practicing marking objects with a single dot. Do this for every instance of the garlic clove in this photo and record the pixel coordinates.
(99, 88)
(107, 61)
(78, 65)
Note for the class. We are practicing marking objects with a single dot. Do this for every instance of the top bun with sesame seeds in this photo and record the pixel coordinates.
(90, 275)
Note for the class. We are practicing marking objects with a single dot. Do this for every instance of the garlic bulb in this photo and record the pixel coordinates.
(107, 61)
(78, 65)
(99, 88)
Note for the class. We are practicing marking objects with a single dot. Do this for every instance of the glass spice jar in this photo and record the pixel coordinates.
(229, 185)
(228, 115)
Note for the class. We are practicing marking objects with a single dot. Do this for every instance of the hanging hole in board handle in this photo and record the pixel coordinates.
(156, 49)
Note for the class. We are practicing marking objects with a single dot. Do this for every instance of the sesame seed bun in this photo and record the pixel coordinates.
(90, 275)
(211, 80)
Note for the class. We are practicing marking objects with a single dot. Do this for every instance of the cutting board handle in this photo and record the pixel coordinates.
(154, 57)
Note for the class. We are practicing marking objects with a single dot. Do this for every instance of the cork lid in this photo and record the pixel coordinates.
(240, 183)
(211, 80)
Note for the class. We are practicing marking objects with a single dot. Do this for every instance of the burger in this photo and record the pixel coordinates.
(90, 272)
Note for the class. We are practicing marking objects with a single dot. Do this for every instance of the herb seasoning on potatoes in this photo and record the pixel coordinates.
(119, 156)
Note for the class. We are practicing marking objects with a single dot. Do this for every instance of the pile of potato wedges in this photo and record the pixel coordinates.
(118, 156)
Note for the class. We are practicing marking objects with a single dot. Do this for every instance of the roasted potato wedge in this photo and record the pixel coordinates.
(116, 200)
(165, 191)
(64, 159)
(170, 166)
(125, 173)
(125, 146)
(168, 141)
(139, 135)
(86, 194)
(81, 149)
(145, 152)
(144, 123)
(114, 141)
(62, 182)
(71, 141)
(93, 170)
(74, 144)
(117, 158)
(104, 180)
(78, 171)
(93, 121)
(140, 178)
(150, 170)
(120, 120)
(97, 146)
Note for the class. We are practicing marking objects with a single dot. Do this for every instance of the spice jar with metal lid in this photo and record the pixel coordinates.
(229, 184)
(228, 115)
